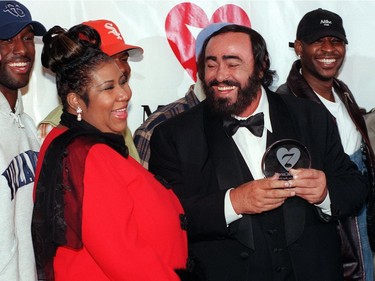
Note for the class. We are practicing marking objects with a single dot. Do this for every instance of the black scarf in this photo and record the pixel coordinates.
(50, 226)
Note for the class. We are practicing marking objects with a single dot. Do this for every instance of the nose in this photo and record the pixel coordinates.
(327, 45)
(19, 46)
(125, 93)
(222, 73)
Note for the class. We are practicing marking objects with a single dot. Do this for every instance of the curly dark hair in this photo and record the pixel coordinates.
(73, 55)
(261, 57)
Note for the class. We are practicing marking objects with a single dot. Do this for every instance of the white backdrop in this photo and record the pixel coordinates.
(160, 78)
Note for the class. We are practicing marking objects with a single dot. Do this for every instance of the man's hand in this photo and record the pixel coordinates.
(262, 195)
(309, 184)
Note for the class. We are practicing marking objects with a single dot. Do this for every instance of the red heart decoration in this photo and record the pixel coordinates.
(179, 36)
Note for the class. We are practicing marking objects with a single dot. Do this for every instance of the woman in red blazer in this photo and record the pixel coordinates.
(99, 215)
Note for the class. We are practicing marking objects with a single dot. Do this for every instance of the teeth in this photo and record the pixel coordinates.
(226, 88)
(119, 110)
(327, 61)
(18, 64)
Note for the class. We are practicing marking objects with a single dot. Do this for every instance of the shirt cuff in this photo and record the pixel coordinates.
(325, 206)
(229, 213)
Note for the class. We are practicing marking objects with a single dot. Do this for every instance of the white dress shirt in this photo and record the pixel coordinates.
(252, 149)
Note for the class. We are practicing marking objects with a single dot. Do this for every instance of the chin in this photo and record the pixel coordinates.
(119, 130)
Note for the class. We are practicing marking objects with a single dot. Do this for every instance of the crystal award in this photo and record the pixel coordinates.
(284, 155)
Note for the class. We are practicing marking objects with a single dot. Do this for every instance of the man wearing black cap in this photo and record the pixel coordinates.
(19, 143)
(321, 46)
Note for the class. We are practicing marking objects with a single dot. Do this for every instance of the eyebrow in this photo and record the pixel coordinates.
(225, 57)
(122, 75)
(103, 83)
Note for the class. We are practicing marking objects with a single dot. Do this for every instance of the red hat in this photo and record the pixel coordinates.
(112, 40)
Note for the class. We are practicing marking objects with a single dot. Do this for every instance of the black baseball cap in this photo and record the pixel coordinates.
(320, 23)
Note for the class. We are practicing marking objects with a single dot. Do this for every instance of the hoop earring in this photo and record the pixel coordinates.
(79, 114)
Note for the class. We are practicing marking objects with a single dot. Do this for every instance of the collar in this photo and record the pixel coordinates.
(300, 88)
(18, 109)
(263, 106)
(5, 107)
(325, 101)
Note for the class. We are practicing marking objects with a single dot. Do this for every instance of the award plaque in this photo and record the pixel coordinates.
(284, 155)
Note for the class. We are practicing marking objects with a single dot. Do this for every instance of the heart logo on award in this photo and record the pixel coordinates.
(288, 158)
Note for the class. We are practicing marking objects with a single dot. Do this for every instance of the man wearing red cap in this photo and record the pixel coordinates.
(19, 144)
(113, 44)
(321, 46)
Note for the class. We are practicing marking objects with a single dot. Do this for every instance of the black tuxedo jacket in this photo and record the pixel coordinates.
(200, 162)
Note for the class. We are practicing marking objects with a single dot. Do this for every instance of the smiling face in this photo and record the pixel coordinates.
(229, 80)
(108, 97)
(16, 61)
(322, 59)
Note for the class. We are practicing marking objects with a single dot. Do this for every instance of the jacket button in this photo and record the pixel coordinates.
(277, 250)
(271, 231)
(280, 268)
(244, 255)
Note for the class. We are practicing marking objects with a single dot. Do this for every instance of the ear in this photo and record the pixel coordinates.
(73, 100)
(298, 47)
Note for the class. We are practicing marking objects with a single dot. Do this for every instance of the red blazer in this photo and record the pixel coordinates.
(131, 227)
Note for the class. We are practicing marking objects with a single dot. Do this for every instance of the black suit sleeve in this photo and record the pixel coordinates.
(348, 188)
(192, 181)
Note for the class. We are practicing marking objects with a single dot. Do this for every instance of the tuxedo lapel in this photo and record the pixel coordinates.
(294, 215)
(230, 167)
(231, 171)
(281, 121)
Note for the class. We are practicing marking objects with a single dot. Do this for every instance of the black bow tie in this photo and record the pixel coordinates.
(254, 124)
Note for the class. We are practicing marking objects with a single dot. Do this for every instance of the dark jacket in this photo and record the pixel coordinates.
(192, 152)
(299, 87)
